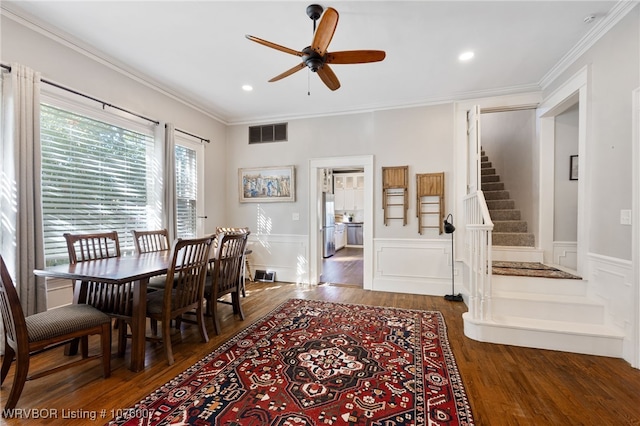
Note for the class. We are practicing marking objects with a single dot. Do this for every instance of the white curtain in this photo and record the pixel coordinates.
(22, 240)
(169, 178)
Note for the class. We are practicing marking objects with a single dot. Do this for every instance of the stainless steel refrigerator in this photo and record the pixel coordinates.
(328, 225)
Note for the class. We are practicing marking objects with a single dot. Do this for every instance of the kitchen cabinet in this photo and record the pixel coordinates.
(340, 236)
(354, 234)
(348, 189)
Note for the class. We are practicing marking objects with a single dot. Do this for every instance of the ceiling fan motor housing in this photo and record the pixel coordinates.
(312, 59)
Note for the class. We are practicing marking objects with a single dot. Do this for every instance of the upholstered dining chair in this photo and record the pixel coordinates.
(114, 300)
(184, 289)
(28, 336)
(152, 241)
(223, 277)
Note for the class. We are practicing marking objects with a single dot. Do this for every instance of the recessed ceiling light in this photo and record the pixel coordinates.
(465, 56)
(247, 88)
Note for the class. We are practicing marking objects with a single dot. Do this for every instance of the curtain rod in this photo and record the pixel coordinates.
(104, 104)
(190, 134)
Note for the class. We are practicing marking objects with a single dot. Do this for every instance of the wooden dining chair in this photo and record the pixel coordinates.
(184, 289)
(149, 242)
(245, 264)
(25, 337)
(112, 299)
(223, 277)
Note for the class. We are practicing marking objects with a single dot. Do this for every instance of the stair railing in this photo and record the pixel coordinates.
(477, 254)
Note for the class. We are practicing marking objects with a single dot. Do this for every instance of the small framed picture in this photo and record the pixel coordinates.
(573, 167)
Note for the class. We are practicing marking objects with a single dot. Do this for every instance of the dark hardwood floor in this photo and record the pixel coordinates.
(506, 385)
(344, 267)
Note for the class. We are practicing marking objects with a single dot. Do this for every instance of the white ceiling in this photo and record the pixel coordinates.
(198, 49)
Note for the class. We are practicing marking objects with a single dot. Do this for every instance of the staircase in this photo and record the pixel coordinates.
(511, 239)
(508, 228)
(545, 313)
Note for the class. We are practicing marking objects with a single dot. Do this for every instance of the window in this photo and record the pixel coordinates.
(95, 177)
(186, 192)
(188, 187)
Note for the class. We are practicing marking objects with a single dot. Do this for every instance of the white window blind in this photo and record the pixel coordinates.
(94, 179)
(186, 191)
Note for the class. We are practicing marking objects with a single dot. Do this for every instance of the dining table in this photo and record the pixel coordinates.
(134, 268)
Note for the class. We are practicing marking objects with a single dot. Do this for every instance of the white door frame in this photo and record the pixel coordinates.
(315, 227)
(635, 223)
(572, 92)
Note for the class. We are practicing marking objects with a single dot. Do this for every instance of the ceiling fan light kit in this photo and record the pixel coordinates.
(316, 57)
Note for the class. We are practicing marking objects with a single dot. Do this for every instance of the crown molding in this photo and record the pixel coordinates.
(23, 18)
(617, 12)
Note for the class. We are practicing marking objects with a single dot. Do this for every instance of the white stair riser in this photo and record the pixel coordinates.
(549, 310)
(511, 254)
(601, 345)
(557, 286)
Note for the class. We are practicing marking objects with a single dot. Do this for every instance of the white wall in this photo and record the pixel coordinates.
(62, 64)
(613, 64)
(420, 137)
(565, 190)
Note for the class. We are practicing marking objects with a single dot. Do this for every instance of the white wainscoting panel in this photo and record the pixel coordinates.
(565, 253)
(610, 280)
(413, 266)
(59, 292)
(286, 255)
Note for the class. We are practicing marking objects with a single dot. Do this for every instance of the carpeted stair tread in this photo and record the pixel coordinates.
(484, 172)
(513, 239)
(490, 178)
(530, 269)
(493, 186)
(510, 214)
(501, 205)
(510, 226)
(496, 195)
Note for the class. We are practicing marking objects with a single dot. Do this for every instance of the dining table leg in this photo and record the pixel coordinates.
(139, 325)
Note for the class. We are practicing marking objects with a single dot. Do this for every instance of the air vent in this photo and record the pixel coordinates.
(268, 133)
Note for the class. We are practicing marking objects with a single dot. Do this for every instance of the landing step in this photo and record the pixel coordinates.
(555, 307)
(538, 285)
(591, 339)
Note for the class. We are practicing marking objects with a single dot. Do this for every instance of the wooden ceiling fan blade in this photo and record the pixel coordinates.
(328, 77)
(273, 45)
(324, 33)
(355, 56)
(288, 72)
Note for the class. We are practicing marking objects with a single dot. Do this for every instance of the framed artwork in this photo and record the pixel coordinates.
(573, 167)
(267, 184)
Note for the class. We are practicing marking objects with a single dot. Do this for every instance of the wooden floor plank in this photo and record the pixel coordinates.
(506, 385)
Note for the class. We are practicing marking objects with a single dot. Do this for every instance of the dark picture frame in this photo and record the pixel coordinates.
(573, 167)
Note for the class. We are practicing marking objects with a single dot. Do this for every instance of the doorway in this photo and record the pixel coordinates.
(344, 265)
(572, 93)
(316, 172)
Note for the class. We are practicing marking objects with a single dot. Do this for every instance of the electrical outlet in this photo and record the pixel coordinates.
(625, 217)
(295, 216)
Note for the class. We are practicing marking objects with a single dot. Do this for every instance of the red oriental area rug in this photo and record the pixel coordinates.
(320, 363)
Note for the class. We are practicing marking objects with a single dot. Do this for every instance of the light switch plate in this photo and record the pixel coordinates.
(295, 216)
(625, 217)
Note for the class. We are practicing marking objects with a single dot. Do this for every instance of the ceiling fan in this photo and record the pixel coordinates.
(316, 57)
